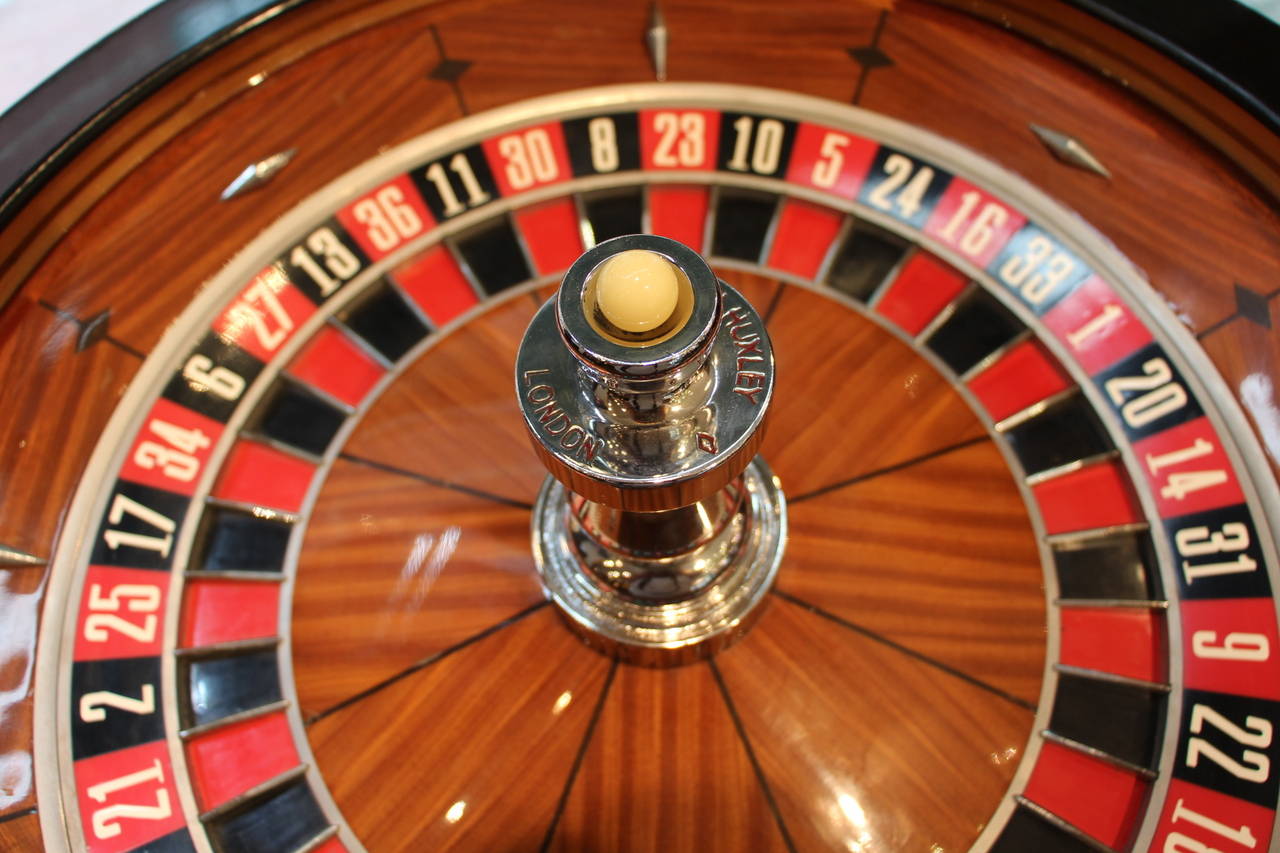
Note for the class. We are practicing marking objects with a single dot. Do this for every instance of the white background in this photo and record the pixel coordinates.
(37, 37)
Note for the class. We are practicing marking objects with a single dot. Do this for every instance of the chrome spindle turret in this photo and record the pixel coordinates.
(645, 384)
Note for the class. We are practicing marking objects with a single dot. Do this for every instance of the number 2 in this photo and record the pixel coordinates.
(93, 705)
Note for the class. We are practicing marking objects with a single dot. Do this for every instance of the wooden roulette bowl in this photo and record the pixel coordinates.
(267, 581)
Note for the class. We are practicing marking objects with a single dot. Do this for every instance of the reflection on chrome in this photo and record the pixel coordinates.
(702, 515)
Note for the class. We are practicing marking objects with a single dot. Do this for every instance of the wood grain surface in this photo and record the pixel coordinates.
(986, 88)
(938, 557)
(805, 52)
(852, 398)
(1161, 79)
(1246, 351)
(182, 123)
(60, 400)
(982, 90)
(21, 833)
(495, 727)
(864, 746)
(394, 571)
(41, 461)
(903, 580)
(452, 414)
(666, 770)
(759, 290)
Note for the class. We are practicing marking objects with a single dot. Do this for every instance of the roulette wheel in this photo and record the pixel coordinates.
(267, 575)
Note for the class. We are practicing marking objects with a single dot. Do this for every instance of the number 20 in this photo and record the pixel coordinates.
(1162, 394)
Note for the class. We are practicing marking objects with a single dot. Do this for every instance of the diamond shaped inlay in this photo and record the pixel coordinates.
(1252, 306)
(869, 56)
(450, 70)
(1069, 150)
(256, 174)
(93, 330)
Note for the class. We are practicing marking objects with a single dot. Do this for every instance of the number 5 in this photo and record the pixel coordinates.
(830, 161)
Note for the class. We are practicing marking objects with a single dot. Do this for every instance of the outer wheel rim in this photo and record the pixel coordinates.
(251, 254)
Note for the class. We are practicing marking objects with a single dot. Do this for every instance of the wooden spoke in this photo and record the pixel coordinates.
(430, 568)
(664, 759)
(452, 414)
(861, 745)
(907, 556)
(471, 753)
(851, 398)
